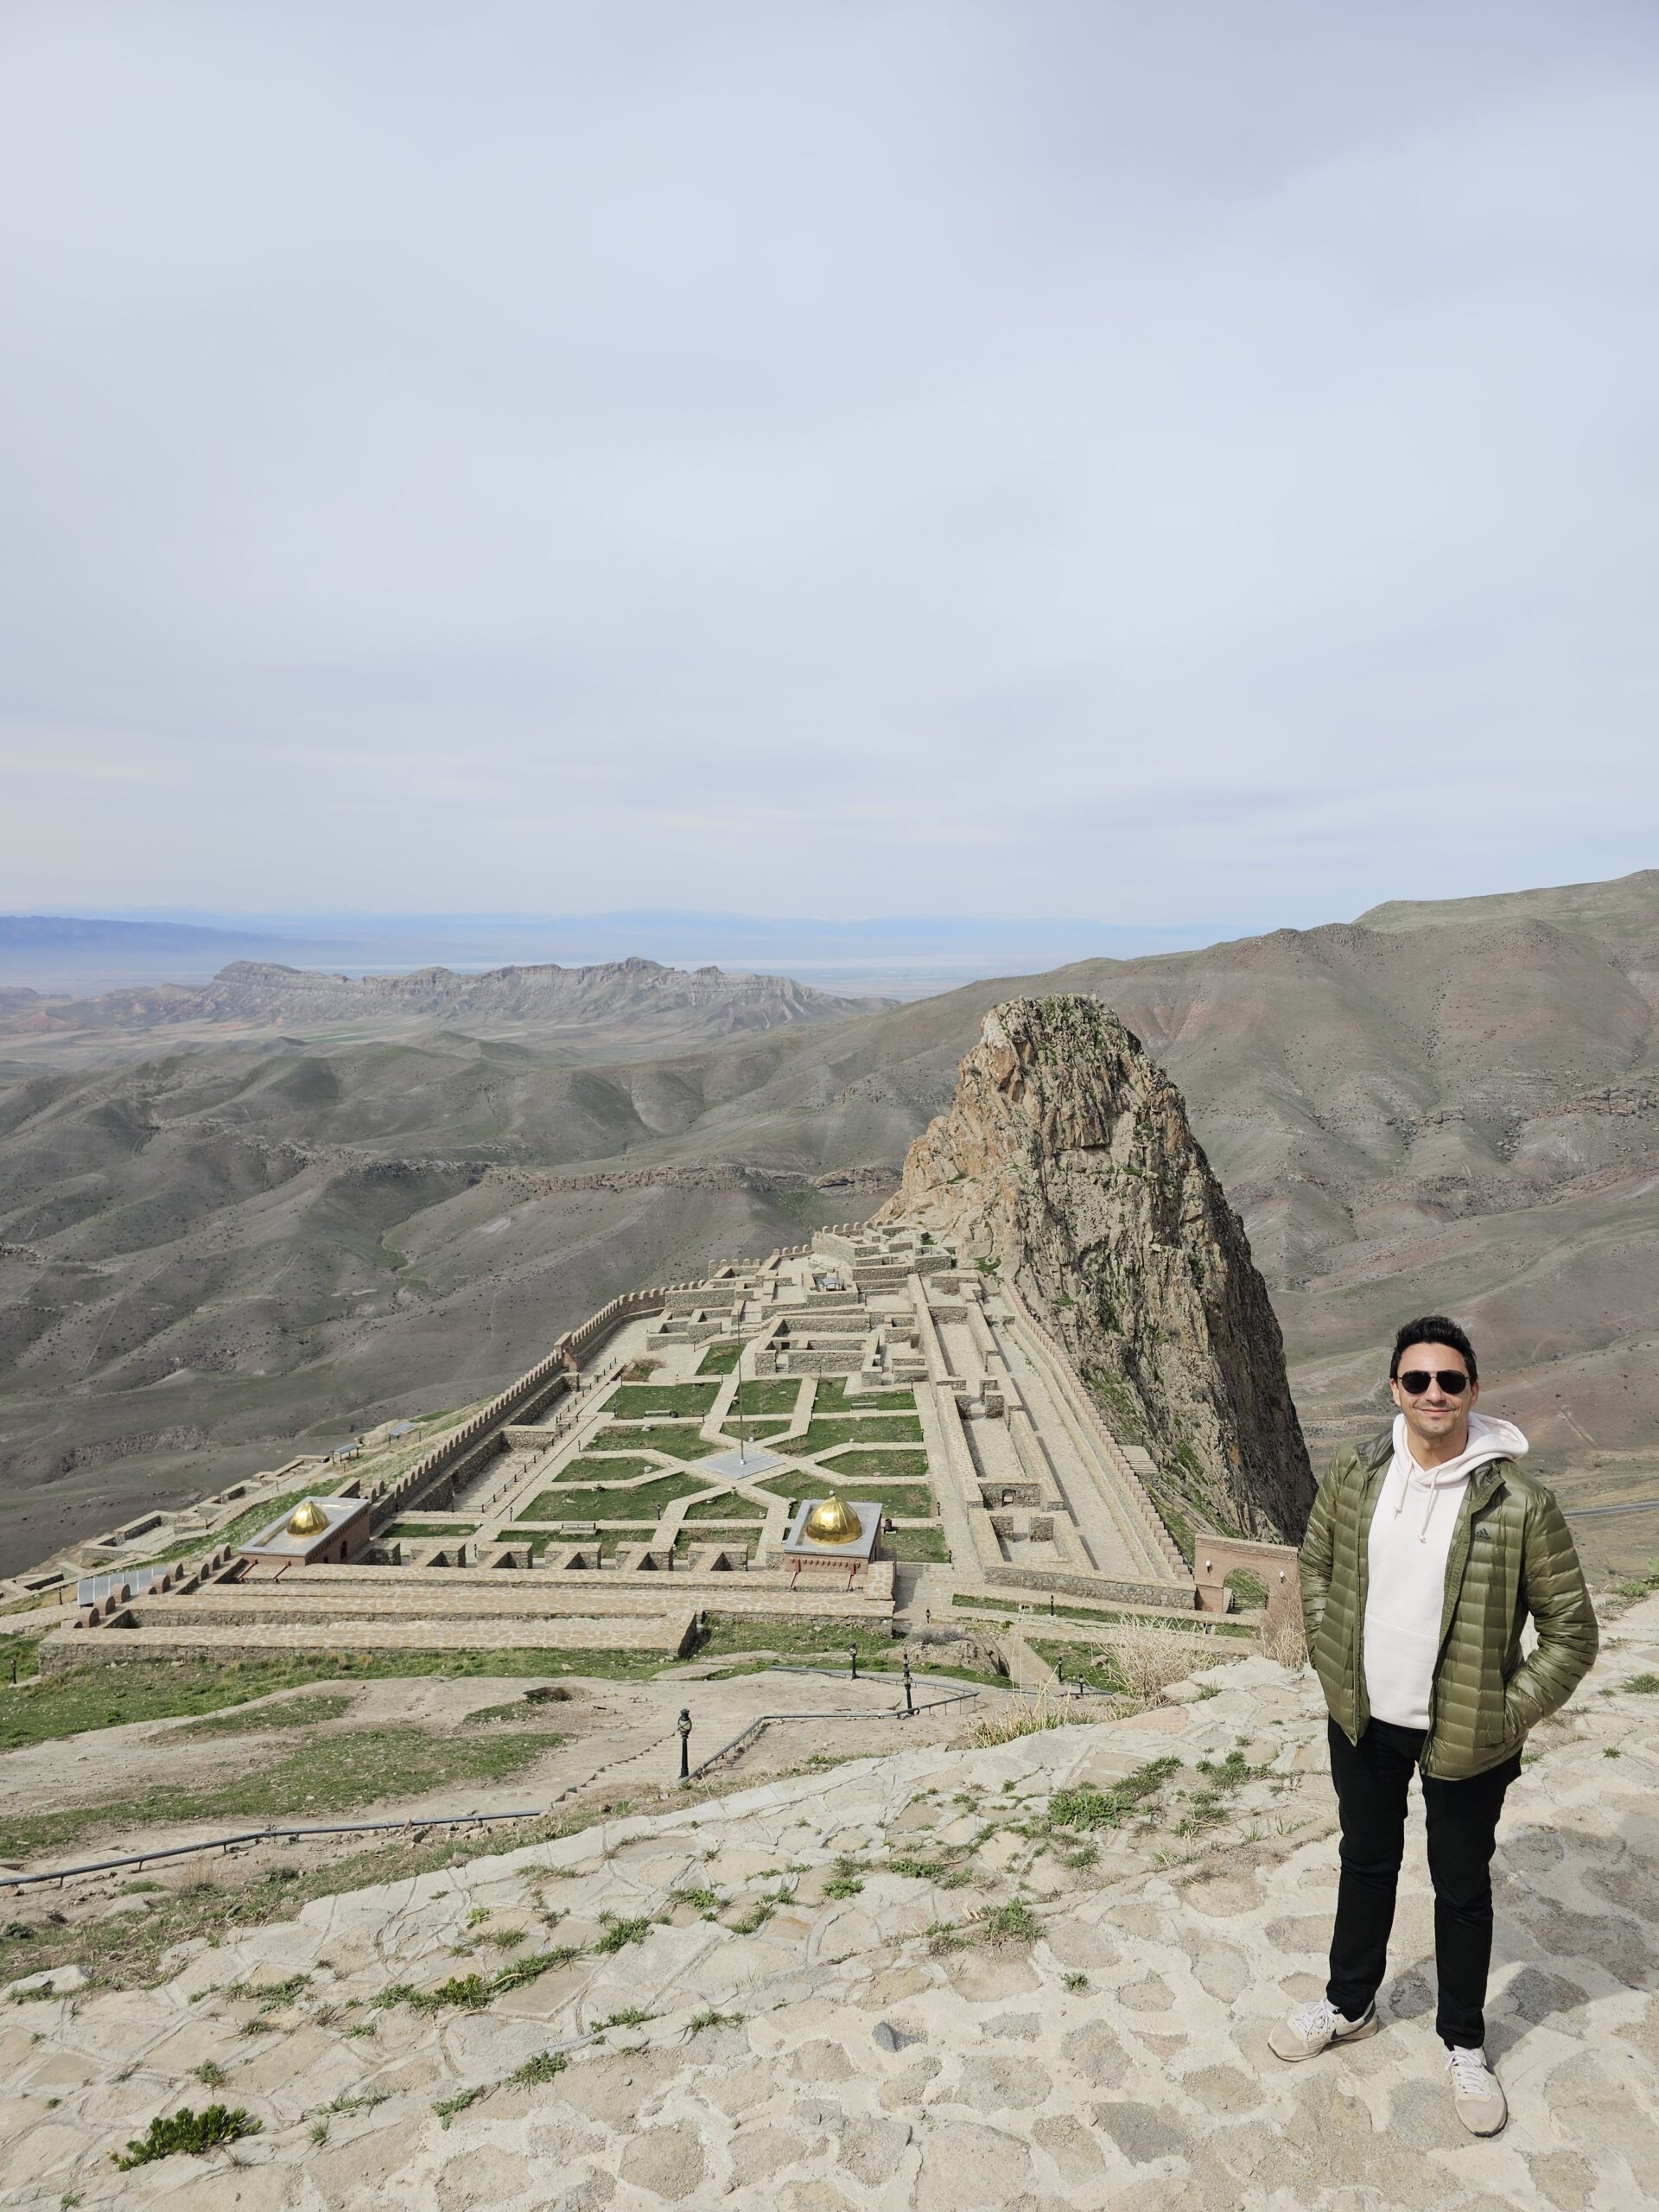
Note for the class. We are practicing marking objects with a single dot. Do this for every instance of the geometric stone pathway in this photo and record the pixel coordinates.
(909, 1983)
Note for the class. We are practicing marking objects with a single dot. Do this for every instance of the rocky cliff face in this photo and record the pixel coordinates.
(1066, 1161)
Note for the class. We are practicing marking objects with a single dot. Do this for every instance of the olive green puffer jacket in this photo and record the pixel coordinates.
(1511, 1556)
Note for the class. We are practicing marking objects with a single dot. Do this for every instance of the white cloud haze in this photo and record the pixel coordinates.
(1179, 463)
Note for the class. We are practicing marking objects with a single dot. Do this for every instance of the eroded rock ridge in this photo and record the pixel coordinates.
(1066, 1161)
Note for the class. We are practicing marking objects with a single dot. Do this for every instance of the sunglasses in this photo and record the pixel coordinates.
(1452, 1380)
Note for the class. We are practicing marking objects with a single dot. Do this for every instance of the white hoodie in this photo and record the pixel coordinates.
(1412, 1528)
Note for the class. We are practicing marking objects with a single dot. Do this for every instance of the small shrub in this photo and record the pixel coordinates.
(470, 1990)
(699, 2021)
(1013, 1922)
(546, 2066)
(447, 2108)
(1646, 1685)
(186, 2131)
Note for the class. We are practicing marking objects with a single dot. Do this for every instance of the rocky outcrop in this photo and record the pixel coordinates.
(1066, 1161)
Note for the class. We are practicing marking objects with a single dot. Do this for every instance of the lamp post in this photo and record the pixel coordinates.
(909, 1705)
(684, 1724)
(852, 1653)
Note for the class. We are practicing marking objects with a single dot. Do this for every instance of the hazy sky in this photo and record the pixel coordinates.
(1154, 461)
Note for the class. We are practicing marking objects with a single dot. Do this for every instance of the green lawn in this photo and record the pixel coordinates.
(108, 1696)
(25, 1651)
(617, 1469)
(836, 1394)
(798, 1639)
(825, 1642)
(907, 1501)
(537, 1538)
(893, 1460)
(915, 1544)
(330, 1775)
(719, 1359)
(1075, 1662)
(753, 1430)
(861, 1428)
(291, 1713)
(724, 1506)
(1195, 1624)
(679, 1439)
(641, 1401)
(768, 1395)
(645, 1504)
(423, 1528)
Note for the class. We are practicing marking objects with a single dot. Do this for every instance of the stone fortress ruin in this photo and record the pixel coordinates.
(890, 1427)
(672, 1457)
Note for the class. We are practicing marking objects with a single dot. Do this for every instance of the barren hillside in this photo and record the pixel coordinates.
(240, 1242)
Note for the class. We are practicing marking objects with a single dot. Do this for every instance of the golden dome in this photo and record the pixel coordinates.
(832, 1521)
(307, 1520)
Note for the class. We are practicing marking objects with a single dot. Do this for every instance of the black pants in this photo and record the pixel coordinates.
(1372, 1777)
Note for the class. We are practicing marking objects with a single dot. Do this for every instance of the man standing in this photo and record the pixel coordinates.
(1425, 1552)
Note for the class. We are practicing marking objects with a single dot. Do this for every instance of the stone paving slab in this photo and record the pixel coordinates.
(739, 1467)
(909, 1984)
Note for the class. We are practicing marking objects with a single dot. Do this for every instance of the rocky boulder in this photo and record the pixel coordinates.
(1065, 1162)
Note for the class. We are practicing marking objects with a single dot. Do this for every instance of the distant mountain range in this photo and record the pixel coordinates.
(905, 956)
(1454, 1107)
(621, 1006)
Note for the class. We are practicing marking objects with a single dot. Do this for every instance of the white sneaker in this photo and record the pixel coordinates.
(1315, 2028)
(1476, 2091)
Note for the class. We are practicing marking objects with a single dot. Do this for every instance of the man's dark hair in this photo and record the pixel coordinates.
(1434, 1329)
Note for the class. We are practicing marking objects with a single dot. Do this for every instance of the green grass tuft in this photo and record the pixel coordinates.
(184, 2131)
(1086, 1807)
(620, 1933)
(1013, 1922)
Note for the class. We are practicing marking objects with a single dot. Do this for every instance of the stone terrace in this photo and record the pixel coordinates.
(908, 1986)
